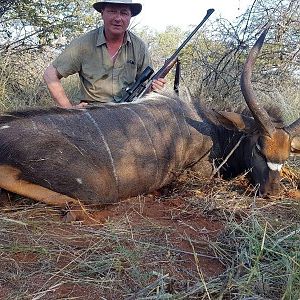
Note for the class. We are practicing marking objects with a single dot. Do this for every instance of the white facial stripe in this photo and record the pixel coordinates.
(274, 167)
(4, 127)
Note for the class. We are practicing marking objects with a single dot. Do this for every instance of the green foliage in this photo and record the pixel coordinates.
(30, 24)
(26, 27)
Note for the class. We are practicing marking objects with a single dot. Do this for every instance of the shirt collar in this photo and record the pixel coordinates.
(101, 38)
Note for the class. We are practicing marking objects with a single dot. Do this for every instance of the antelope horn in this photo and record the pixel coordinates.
(294, 128)
(259, 114)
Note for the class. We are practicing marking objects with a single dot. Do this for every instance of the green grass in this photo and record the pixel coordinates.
(264, 260)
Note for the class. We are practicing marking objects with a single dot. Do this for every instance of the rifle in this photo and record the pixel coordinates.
(139, 88)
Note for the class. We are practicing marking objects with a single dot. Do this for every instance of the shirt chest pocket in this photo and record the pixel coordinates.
(127, 74)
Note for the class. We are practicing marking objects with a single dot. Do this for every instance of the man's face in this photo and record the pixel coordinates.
(116, 18)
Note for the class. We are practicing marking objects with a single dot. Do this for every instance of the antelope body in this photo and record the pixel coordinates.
(102, 154)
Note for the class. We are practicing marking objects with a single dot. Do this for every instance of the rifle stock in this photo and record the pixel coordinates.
(141, 88)
(162, 73)
(165, 69)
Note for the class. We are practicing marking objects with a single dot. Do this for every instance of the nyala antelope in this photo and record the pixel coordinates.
(102, 154)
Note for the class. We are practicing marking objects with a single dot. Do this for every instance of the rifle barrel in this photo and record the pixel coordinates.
(136, 92)
(175, 54)
(209, 12)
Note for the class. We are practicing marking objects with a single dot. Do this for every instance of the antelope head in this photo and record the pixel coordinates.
(272, 144)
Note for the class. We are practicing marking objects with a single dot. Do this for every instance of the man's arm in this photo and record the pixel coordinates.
(52, 79)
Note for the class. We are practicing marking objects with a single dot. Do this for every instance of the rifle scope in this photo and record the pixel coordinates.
(138, 84)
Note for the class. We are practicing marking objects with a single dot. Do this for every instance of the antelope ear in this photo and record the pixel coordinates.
(235, 121)
(295, 146)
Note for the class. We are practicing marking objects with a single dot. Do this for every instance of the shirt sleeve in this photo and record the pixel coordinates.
(69, 62)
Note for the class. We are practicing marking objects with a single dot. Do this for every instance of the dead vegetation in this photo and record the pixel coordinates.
(195, 239)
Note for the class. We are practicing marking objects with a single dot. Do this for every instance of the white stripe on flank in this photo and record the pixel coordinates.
(165, 176)
(106, 147)
(149, 136)
(4, 127)
(181, 159)
(274, 166)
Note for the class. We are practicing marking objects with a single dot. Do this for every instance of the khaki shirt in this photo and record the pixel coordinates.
(101, 79)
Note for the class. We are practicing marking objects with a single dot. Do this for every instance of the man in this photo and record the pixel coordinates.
(107, 59)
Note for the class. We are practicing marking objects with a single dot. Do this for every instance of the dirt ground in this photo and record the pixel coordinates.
(160, 244)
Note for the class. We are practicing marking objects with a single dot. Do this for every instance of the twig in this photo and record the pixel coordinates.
(13, 221)
(200, 273)
(227, 157)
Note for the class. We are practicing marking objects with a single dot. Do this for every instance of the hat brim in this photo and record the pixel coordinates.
(135, 8)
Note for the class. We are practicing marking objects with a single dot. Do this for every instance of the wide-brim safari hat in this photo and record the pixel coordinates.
(135, 8)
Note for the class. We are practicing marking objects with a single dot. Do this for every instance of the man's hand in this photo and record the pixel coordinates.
(81, 105)
(158, 84)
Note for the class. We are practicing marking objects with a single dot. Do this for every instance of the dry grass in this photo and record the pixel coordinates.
(197, 239)
(22, 84)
